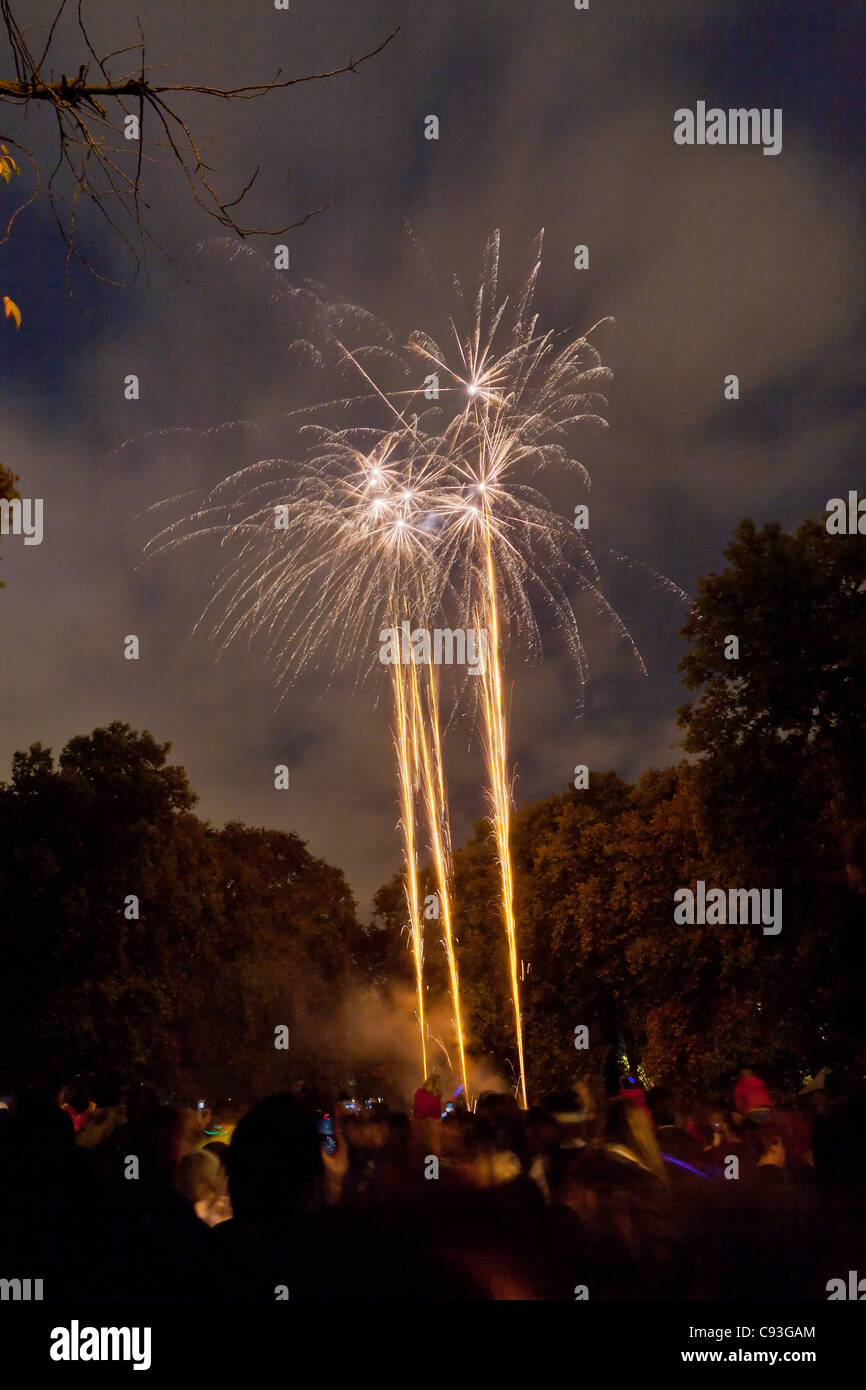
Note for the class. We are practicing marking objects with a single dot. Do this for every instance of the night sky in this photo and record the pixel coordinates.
(711, 261)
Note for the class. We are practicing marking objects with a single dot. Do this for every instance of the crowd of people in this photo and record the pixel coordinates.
(109, 1193)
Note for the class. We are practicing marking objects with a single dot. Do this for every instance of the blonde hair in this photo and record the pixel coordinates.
(628, 1124)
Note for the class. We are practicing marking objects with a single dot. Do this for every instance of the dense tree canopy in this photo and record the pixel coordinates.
(231, 933)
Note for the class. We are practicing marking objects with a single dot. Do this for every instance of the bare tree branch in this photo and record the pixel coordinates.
(86, 128)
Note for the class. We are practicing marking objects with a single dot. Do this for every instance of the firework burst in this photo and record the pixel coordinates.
(418, 507)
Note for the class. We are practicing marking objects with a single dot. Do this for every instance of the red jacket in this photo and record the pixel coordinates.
(635, 1093)
(750, 1093)
(79, 1118)
(427, 1105)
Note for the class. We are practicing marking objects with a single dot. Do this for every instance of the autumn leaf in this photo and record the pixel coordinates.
(8, 167)
(12, 310)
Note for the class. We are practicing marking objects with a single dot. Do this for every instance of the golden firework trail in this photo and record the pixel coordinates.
(406, 748)
(433, 787)
(499, 792)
